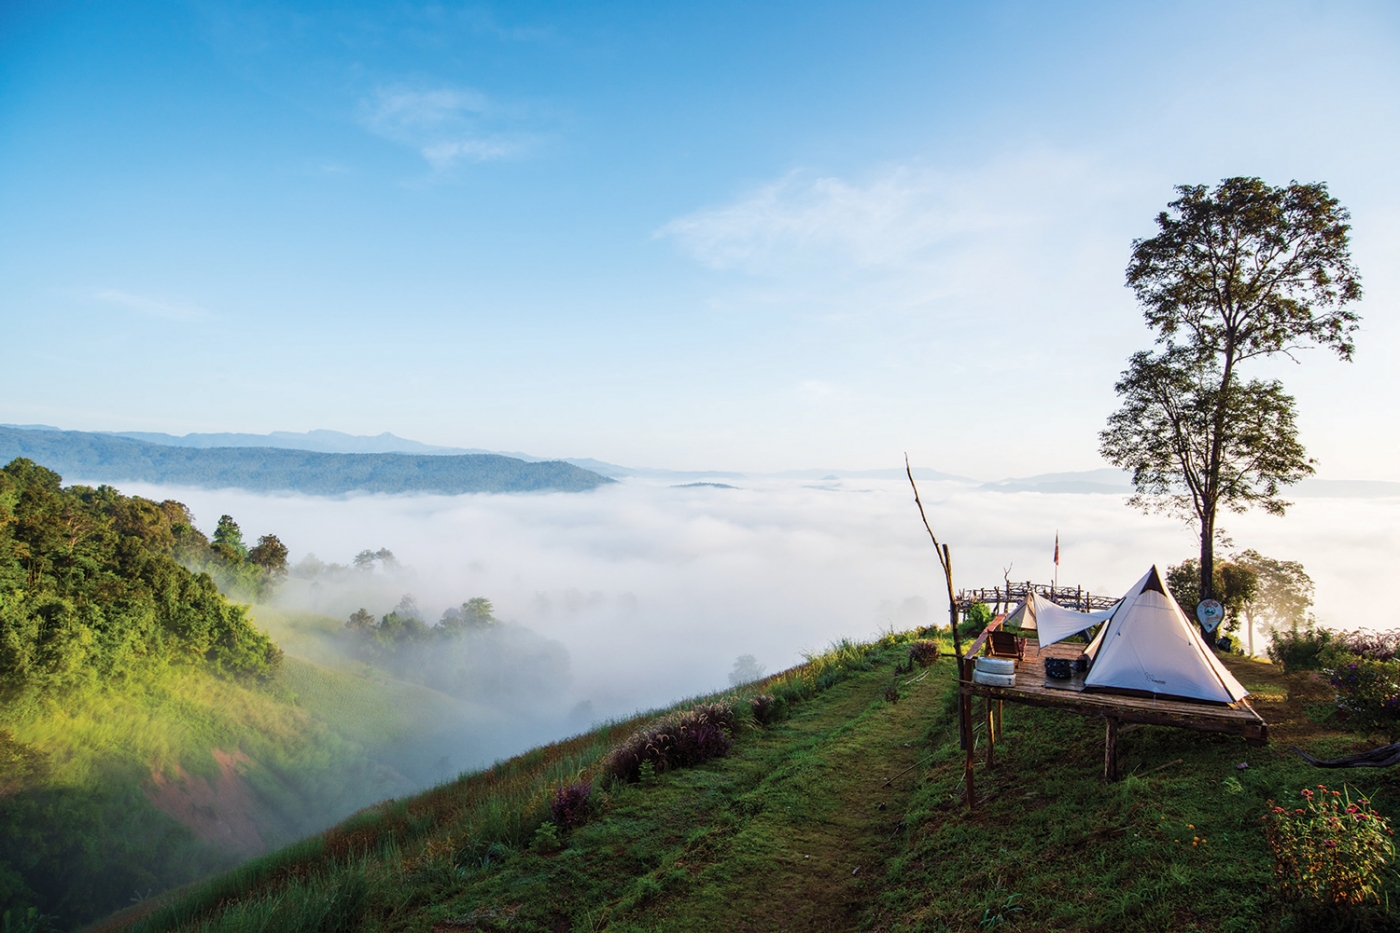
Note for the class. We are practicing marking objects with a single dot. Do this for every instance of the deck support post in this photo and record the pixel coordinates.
(965, 720)
(991, 734)
(1000, 705)
(963, 699)
(1110, 751)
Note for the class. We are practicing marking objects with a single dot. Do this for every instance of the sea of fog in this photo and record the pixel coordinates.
(655, 589)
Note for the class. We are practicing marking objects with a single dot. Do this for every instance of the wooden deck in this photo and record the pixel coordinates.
(1034, 688)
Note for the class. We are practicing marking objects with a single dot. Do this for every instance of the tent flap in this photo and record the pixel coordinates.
(1052, 622)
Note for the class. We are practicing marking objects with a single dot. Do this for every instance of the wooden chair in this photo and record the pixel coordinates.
(1006, 645)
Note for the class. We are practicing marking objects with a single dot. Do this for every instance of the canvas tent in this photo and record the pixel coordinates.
(1052, 622)
(1149, 647)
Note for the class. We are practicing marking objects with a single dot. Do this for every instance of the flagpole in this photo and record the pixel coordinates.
(1057, 559)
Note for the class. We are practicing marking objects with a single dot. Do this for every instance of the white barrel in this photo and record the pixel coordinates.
(993, 680)
(997, 665)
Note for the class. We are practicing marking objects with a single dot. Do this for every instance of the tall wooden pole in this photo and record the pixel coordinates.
(963, 668)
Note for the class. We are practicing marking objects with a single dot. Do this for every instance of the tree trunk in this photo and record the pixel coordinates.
(1207, 569)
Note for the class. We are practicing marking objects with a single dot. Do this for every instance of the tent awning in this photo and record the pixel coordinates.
(1052, 622)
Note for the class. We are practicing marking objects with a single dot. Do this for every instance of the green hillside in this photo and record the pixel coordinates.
(150, 730)
(843, 813)
(108, 458)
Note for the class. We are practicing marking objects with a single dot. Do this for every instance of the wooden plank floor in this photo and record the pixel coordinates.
(1031, 688)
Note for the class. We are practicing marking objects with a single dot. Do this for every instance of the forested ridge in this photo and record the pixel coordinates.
(108, 458)
(120, 659)
(96, 586)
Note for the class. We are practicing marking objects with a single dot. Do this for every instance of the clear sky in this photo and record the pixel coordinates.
(721, 235)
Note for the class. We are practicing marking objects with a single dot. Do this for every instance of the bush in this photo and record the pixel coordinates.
(975, 619)
(767, 709)
(1374, 646)
(676, 741)
(1330, 851)
(1300, 650)
(1369, 693)
(572, 804)
(546, 838)
(719, 715)
(923, 652)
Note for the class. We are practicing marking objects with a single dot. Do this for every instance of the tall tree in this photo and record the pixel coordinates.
(1242, 272)
(228, 540)
(1284, 596)
(271, 555)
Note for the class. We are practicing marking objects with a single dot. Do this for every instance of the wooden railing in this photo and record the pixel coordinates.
(1075, 597)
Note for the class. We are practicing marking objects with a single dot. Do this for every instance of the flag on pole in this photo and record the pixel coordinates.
(1057, 549)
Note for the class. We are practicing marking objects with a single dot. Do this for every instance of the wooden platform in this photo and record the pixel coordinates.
(1034, 688)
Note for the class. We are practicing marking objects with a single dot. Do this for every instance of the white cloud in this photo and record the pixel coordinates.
(445, 154)
(447, 125)
(1005, 233)
(150, 306)
(888, 221)
(398, 110)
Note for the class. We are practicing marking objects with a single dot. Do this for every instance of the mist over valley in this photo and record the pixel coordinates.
(653, 589)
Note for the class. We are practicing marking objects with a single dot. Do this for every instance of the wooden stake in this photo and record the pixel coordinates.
(1110, 751)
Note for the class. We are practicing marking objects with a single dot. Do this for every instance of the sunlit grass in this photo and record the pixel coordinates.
(462, 825)
(799, 825)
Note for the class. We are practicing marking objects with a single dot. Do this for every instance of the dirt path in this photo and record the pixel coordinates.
(820, 824)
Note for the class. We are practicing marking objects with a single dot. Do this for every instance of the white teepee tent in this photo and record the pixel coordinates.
(1149, 647)
(1050, 621)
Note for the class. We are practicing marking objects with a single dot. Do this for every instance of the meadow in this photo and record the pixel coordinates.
(845, 813)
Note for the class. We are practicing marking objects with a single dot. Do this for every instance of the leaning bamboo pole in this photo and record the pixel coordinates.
(964, 700)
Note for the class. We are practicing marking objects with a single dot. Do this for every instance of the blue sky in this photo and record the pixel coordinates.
(742, 236)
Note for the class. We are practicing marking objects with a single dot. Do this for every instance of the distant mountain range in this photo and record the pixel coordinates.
(112, 458)
(388, 463)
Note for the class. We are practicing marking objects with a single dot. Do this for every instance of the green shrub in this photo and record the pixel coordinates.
(976, 618)
(767, 709)
(546, 838)
(1369, 693)
(923, 652)
(1302, 650)
(1330, 851)
(675, 741)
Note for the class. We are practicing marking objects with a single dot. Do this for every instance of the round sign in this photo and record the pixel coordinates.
(1210, 612)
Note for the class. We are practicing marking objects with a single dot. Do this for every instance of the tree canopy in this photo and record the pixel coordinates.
(94, 586)
(1284, 594)
(1240, 272)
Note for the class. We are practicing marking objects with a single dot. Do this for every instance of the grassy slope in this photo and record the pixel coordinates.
(797, 830)
(78, 823)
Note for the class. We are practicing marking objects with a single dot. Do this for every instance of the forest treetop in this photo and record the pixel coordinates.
(98, 586)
